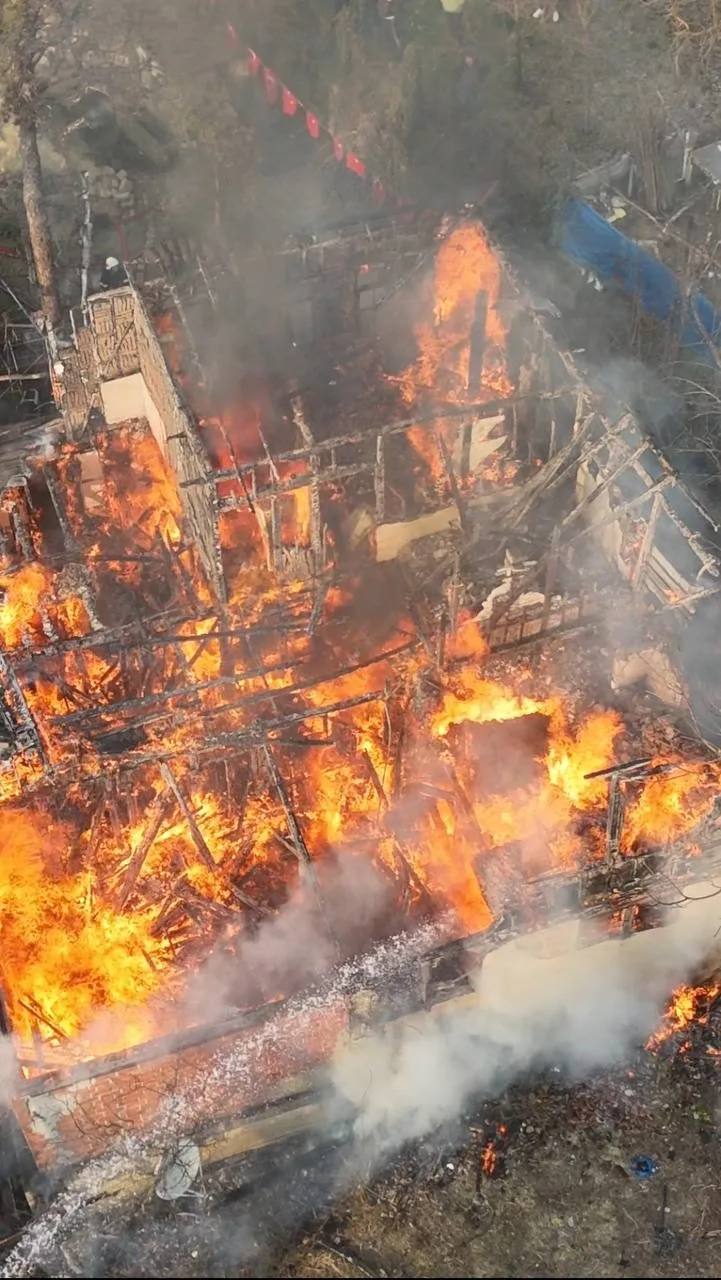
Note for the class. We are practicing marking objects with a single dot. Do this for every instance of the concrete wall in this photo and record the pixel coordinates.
(128, 397)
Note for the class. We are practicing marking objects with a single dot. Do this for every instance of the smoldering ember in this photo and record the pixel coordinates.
(360, 704)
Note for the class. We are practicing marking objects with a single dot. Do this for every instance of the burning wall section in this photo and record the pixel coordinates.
(328, 736)
(118, 367)
(214, 1074)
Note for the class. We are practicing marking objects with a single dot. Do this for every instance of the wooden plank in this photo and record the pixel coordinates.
(235, 1139)
(158, 813)
(175, 788)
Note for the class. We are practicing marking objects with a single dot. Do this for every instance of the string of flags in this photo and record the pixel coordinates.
(278, 94)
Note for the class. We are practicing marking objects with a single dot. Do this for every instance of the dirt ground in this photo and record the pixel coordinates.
(566, 1202)
(567, 1197)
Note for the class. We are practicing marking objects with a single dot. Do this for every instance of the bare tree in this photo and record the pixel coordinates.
(20, 24)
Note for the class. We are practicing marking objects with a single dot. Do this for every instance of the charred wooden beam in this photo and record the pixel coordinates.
(466, 442)
(299, 845)
(607, 481)
(31, 1006)
(275, 533)
(160, 697)
(322, 588)
(174, 786)
(647, 542)
(450, 472)
(477, 344)
(21, 530)
(614, 817)
(50, 477)
(5, 1023)
(270, 492)
(158, 812)
(551, 574)
(479, 409)
(132, 636)
(29, 732)
(374, 778)
(212, 747)
(304, 430)
(379, 479)
(624, 507)
(464, 800)
(424, 894)
(261, 695)
(96, 823)
(397, 712)
(558, 468)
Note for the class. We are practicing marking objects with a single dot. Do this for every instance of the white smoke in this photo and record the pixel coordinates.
(538, 1000)
(296, 946)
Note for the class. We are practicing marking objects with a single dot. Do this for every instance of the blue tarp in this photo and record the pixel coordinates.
(598, 246)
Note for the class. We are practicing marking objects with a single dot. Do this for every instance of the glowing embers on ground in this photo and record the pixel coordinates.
(689, 1005)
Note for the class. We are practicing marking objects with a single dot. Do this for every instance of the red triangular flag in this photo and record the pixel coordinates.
(379, 191)
(272, 85)
(290, 102)
(312, 124)
(253, 63)
(355, 164)
(338, 149)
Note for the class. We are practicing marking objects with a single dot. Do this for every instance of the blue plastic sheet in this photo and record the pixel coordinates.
(598, 246)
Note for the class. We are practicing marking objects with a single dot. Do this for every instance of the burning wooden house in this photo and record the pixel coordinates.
(258, 666)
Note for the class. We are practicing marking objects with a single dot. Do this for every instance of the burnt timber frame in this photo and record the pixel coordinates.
(118, 341)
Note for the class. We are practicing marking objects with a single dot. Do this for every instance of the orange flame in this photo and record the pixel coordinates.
(688, 1004)
(661, 811)
(465, 266)
(107, 909)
